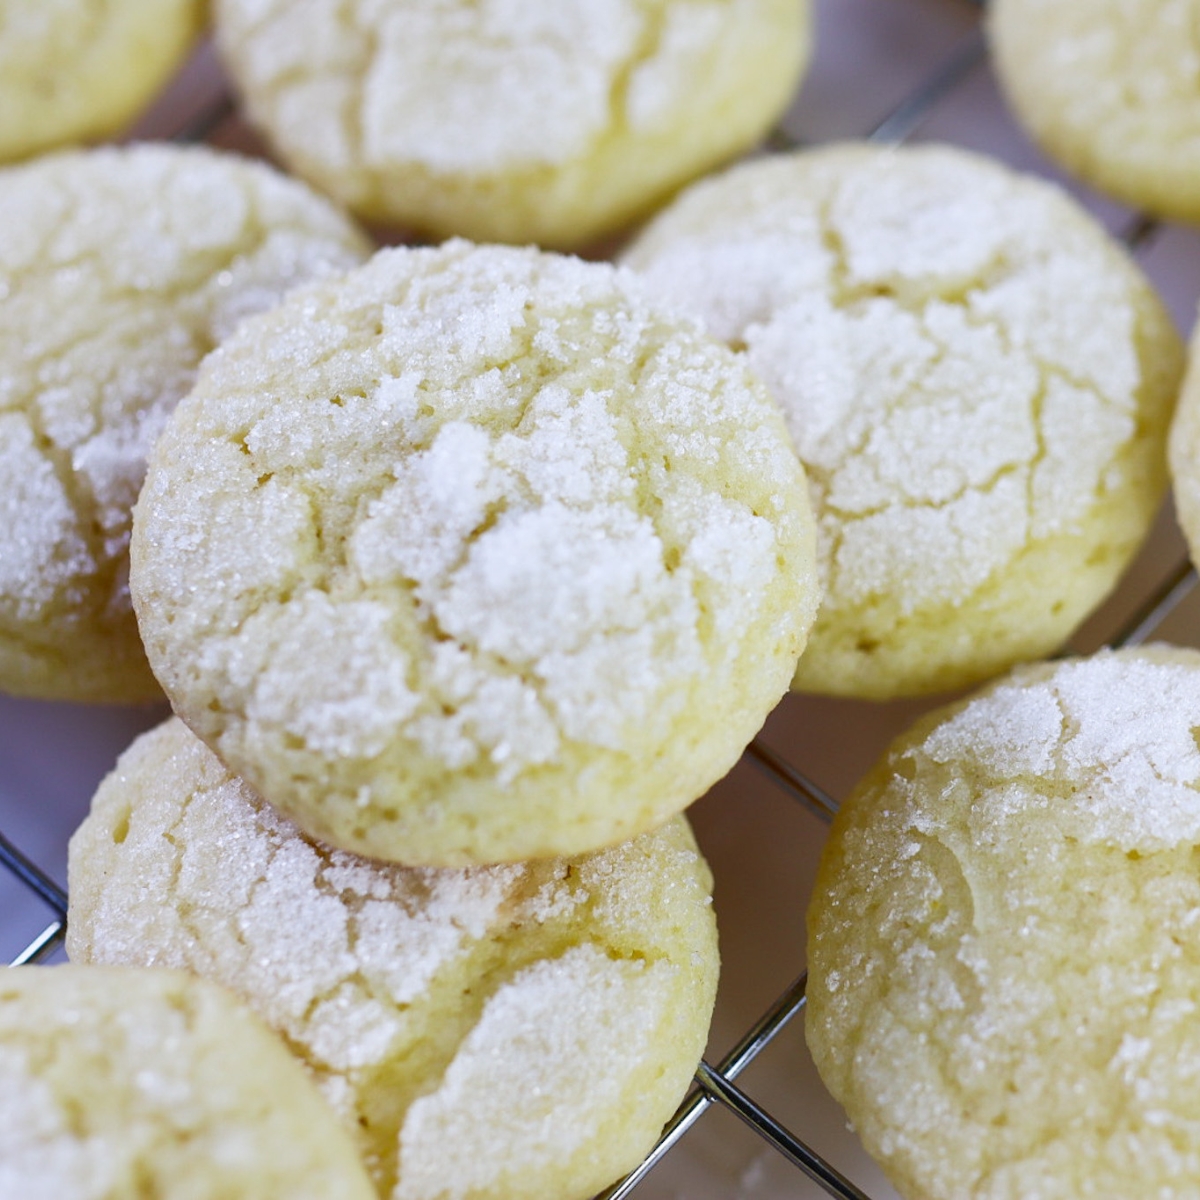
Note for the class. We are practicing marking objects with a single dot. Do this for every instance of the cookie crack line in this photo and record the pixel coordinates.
(848, 518)
(355, 118)
(338, 566)
(252, 236)
(490, 962)
(34, 261)
(648, 43)
(844, 295)
(825, 477)
(178, 843)
(59, 455)
(824, 474)
(511, 959)
(1045, 367)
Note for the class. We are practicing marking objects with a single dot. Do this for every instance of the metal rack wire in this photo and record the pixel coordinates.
(716, 1084)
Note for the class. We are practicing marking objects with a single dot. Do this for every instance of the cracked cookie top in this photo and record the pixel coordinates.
(976, 377)
(472, 556)
(511, 1031)
(1110, 89)
(1004, 950)
(512, 120)
(77, 70)
(119, 270)
(117, 1082)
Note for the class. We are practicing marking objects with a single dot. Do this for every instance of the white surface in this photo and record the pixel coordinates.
(763, 847)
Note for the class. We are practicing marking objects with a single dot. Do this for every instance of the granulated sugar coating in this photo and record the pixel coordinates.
(117, 1083)
(1111, 90)
(1004, 949)
(119, 270)
(977, 379)
(472, 556)
(75, 70)
(512, 120)
(513, 1031)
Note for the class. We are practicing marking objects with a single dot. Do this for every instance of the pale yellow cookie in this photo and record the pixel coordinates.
(977, 379)
(118, 1083)
(1004, 950)
(502, 1032)
(473, 556)
(511, 120)
(119, 270)
(77, 70)
(1111, 90)
(1183, 452)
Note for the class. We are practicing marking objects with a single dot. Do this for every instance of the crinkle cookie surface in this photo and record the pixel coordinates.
(512, 1031)
(118, 1083)
(119, 270)
(977, 379)
(74, 70)
(472, 556)
(512, 120)
(1003, 939)
(1111, 90)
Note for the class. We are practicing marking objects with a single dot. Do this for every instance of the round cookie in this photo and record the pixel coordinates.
(509, 1032)
(119, 270)
(1003, 944)
(1111, 90)
(511, 120)
(77, 70)
(977, 379)
(473, 556)
(116, 1083)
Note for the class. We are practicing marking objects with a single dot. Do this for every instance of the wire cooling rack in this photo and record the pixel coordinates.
(884, 69)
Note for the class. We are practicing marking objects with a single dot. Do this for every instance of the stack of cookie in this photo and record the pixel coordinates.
(467, 557)
(466, 570)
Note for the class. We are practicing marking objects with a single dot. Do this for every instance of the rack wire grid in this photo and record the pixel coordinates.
(884, 69)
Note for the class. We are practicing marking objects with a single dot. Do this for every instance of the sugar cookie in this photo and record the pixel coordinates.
(1003, 944)
(117, 1083)
(1111, 90)
(509, 1032)
(977, 379)
(511, 120)
(1183, 452)
(77, 70)
(119, 270)
(472, 556)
